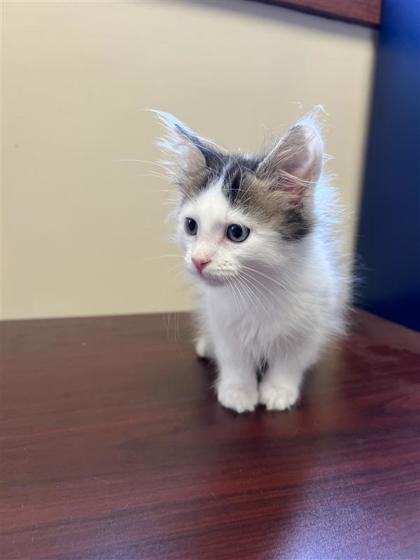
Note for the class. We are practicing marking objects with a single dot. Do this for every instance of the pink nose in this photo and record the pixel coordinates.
(200, 264)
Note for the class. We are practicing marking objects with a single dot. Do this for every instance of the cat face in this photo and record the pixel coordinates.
(220, 241)
(240, 213)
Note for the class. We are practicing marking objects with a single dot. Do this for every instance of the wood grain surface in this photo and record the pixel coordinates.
(113, 447)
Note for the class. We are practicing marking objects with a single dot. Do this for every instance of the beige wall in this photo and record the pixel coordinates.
(82, 231)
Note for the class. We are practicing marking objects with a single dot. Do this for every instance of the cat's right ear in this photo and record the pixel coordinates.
(189, 157)
(294, 164)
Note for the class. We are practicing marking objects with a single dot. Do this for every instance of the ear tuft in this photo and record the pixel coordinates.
(183, 158)
(190, 158)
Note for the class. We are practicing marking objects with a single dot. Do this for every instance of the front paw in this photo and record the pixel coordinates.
(278, 397)
(241, 398)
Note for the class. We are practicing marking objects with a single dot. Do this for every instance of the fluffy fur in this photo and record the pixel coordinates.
(273, 301)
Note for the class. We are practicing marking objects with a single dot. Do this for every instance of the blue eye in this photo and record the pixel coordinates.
(190, 226)
(237, 233)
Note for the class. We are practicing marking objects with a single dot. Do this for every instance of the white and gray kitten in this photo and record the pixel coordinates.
(258, 237)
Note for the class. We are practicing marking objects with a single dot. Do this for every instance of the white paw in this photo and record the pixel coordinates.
(203, 348)
(278, 397)
(241, 398)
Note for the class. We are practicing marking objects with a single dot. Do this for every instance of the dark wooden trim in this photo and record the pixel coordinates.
(364, 12)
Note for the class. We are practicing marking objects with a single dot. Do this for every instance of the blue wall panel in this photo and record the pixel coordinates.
(389, 230)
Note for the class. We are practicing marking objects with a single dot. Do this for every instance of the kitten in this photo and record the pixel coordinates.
(257, 235)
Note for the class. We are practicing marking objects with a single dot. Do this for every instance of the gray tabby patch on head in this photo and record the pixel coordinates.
(276, 188)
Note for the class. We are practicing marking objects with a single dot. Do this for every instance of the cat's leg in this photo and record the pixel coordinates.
(204, 347)
(280, 386)
(237, 386)
(203, 342)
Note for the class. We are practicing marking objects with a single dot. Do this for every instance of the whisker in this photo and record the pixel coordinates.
(258, 292)
(157, 257)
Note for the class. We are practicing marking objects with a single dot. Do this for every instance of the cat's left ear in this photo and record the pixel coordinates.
(190, 156)
(294, 164)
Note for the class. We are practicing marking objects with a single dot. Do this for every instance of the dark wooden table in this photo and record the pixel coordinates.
(113, 447)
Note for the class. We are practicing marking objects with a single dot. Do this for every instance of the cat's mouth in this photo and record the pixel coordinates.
(214, 279)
